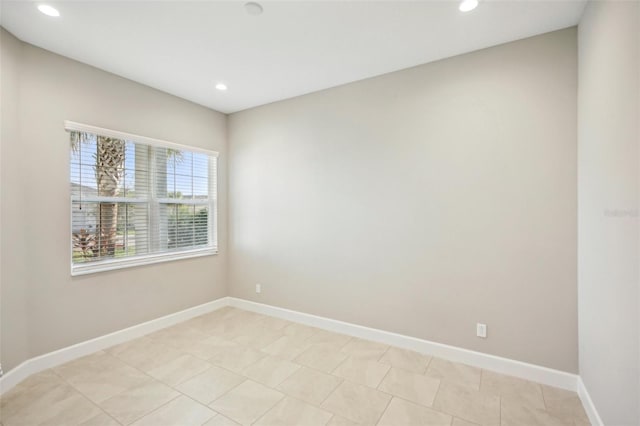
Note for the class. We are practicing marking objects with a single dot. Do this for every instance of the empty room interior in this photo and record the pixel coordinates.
(320, 213)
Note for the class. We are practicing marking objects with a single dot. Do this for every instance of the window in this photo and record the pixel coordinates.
(136, 200)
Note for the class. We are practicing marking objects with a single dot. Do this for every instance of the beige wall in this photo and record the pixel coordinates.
(62, 310)
(13, 247)
(421, 202)
(609, 167)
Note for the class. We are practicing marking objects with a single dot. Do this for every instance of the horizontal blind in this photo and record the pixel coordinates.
(131, 199)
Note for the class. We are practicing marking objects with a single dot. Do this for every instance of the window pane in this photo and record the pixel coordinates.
(200, 188)
(136, 172)
(82, 173)
(184, 226)
(180, 226)
(201, 226)
(183, 187)
(84, 226)
(187, 225)
(83, 151)
(201, 165)
(108, 230)
(123, 195)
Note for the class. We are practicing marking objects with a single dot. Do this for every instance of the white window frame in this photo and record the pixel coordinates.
(128, 262)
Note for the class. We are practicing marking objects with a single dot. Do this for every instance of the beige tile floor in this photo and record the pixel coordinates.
(234, 367)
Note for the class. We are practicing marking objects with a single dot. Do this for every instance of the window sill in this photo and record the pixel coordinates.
(131, 262)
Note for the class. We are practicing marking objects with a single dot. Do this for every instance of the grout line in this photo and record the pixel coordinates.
(311, 346)
(412, 402)
(251, 321)
(351, 338)
(342, 380)
(195, 400)
(226, 392)
(385, 410)
(426, 367)
(155, 409)
(286, 395)
(314, 330)
(435, 395)
(384, 377)
(383, 354)
(152, 379)
(460, 418)
(340, 364)
(269, 409)
(163, 383)
(83, 395)
(544, 400)
(332, 391)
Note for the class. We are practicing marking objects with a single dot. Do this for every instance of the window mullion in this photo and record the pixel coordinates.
(193, 208)
(213, 209)
(154, 206)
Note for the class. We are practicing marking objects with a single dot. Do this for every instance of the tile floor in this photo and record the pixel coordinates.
(234, 367)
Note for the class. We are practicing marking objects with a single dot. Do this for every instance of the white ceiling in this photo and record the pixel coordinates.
(294, 47)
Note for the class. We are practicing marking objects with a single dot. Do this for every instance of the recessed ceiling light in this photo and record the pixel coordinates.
(468, 5)
(48, 10)
(253, 8)
(221, 86)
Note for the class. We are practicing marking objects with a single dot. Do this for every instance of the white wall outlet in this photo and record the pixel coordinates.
(258, 288)
(481, 330)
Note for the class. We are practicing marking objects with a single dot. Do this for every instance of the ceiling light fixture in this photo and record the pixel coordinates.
(468, 5)
(221, 86)
(253, 8)
(48, 10)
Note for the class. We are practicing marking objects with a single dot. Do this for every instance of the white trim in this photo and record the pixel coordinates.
(52, 359)
(490, 362)
(498, 364)
(588, 404)
(191, 202)
(99, 199)
(84, 268)
(79, 127)
(133, 261)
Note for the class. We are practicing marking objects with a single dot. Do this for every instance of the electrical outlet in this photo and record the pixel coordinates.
(258, 288)
(481, 330)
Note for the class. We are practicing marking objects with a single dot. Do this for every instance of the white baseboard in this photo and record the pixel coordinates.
(588, 405)
(498, 364)
(520, 369)
(53, 359)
